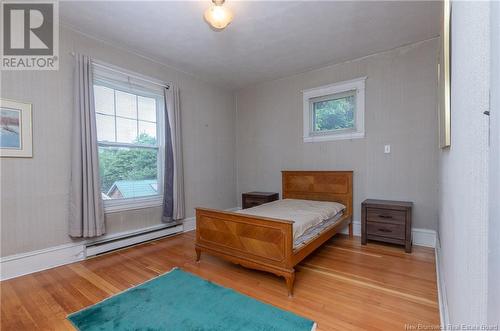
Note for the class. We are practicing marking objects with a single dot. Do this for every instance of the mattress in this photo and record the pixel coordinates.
(315, 231)
(305, 214)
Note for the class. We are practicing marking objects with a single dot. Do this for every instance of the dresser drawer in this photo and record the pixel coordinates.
(388, 230)
(385, 216)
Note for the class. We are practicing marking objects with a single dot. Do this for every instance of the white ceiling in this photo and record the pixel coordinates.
(267, 39)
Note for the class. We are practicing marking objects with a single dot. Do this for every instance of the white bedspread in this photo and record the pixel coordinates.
(304, 213)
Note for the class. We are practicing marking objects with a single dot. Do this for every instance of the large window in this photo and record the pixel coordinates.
(334, 112)
(129, 118)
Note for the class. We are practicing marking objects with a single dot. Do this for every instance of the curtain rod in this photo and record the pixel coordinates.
(125, 72)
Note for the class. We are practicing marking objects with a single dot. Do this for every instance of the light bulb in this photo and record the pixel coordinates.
(218, 16)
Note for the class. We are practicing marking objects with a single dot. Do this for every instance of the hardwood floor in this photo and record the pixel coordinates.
(341, 286)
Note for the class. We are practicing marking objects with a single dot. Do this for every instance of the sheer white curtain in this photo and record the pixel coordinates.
(173, 194)
(86, 211)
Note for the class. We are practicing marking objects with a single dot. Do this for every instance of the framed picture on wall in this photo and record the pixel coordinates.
(444, 80)
(16, 136)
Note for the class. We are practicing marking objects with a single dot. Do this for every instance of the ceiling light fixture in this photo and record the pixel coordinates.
(218, 16)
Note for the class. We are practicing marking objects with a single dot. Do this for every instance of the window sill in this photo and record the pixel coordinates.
(115, 206)
(332, 137)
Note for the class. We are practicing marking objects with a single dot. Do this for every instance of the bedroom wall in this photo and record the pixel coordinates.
(35, 191)
(400, 111)
(494, 172)
(463, 208)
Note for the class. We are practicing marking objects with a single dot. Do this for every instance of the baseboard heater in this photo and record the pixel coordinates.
(124, 240)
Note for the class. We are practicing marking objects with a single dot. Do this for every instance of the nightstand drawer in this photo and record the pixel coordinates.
(253, 199)
(252, 202)
(388, 230)
(385, 216)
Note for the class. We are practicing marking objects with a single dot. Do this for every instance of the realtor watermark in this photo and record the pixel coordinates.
(30, 35)
(453, 327)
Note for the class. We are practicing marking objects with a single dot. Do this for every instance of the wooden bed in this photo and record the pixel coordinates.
(266, 243)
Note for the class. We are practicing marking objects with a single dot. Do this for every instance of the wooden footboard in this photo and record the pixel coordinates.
(254, 242)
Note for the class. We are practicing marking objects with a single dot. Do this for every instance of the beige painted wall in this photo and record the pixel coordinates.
(34, 191)
(494, 171)
(464, 170)
(400, 110)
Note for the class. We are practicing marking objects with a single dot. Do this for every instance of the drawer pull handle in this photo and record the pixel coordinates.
(385, 216)
(384, 230)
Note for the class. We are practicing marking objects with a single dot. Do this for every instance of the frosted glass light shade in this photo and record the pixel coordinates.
(218, 16)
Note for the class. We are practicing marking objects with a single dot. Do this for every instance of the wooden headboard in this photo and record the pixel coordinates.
(320, 186)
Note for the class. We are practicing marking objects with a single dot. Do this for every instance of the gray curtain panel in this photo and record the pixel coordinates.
(86, 212)
(173, 193)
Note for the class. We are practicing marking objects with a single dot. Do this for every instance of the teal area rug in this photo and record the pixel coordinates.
(182, 301)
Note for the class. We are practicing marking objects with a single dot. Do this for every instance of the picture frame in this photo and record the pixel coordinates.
(444, 79)
(16, 135)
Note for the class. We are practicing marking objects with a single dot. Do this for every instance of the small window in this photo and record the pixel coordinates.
(129, 119)
(334, 112)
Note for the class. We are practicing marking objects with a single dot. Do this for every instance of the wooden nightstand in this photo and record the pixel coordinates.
(252, 199)
(388, 221)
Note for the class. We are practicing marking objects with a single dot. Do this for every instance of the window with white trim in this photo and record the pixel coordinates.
(335, 112)
(129, 118)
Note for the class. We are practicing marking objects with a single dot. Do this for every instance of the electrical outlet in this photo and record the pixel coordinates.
(387, 149)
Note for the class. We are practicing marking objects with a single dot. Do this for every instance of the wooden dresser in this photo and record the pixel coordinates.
(387, 221)
(252, 199)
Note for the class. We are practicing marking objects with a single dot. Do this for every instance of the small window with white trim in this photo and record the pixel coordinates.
(335, 112)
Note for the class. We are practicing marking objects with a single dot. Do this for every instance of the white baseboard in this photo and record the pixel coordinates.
(27, 263)
(443, 302)
(424, 237)
(189, 224)
(356, 229)
(421, 237)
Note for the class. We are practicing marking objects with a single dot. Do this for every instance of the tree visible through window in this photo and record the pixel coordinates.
(334, 114)
(129, 154)
(131, 165)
